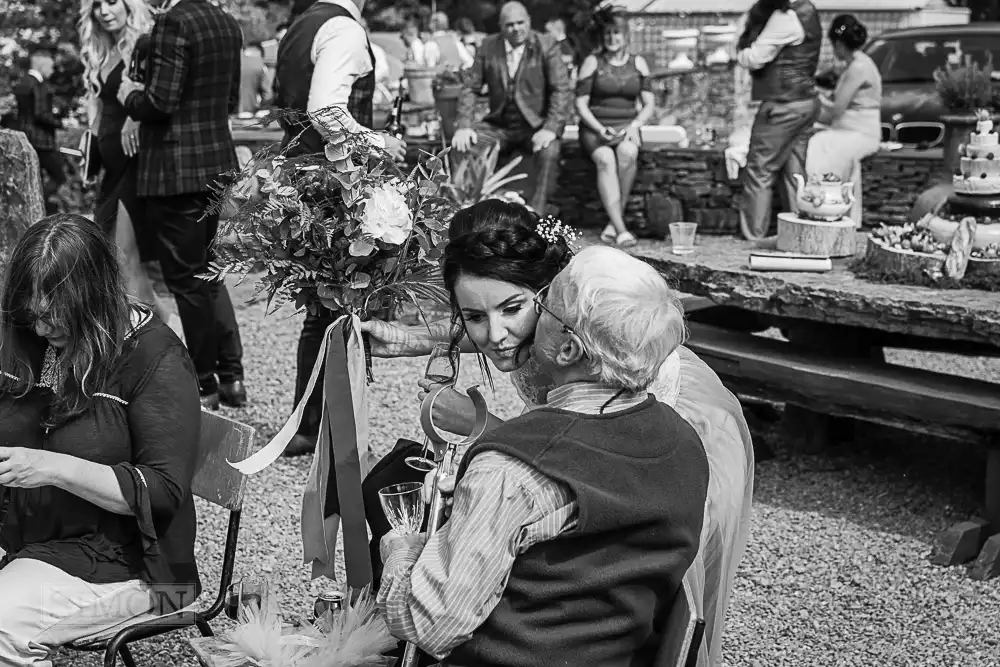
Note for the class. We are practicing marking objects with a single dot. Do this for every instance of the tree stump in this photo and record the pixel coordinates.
(21, 201)
(895, 260)
(827, 239)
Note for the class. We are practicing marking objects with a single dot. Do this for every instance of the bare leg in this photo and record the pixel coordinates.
(137, 281)
(628, 166)
(608, 186)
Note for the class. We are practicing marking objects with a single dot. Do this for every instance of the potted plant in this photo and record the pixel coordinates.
(963, 89)
(477, 178)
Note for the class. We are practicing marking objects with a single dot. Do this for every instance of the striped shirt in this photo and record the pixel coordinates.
(436, 595)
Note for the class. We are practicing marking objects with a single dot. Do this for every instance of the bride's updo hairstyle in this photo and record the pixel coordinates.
(500, 240)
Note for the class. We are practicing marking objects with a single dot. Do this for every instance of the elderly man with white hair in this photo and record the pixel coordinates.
(574, 524)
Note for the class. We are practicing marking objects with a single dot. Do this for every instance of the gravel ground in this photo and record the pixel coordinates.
(836, 572)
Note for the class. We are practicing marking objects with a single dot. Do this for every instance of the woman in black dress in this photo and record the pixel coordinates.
(111, 34)
(99, 429)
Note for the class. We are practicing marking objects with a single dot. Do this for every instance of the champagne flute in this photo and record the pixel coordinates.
(442, 368)
(403, 505)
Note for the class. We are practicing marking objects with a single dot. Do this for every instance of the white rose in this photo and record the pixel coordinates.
(386, 217)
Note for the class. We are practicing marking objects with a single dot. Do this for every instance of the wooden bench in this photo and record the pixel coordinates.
(942, 405)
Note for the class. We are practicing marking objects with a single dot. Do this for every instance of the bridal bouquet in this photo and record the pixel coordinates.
(346, 230)
(348, 233)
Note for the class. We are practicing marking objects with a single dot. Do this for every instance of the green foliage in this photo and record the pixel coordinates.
(51, 24)
(344, 230)
(968, 86)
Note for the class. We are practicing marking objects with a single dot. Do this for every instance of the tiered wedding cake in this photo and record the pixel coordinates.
(979, 170)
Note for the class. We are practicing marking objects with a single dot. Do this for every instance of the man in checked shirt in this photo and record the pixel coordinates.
(572, 525)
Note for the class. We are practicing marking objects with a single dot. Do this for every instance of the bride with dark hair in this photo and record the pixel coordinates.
(499, 256)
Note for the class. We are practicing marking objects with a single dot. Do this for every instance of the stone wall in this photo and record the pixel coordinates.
(697, 178)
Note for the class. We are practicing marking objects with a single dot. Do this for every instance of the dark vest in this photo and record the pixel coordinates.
(790, 77)
(293, 76)
(600, 594)
(511, 115)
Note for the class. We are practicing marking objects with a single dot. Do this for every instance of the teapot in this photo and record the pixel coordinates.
(824, 197)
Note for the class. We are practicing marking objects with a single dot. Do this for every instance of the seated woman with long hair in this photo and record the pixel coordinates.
(614, 100)
(100, 417)
(498, 257)
(852, 113)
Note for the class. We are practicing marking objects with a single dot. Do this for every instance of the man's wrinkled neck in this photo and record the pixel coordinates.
(578, 373)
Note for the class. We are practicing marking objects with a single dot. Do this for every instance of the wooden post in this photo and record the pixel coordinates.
(21, 200)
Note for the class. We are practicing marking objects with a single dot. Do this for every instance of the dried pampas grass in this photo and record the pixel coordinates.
(357, 636)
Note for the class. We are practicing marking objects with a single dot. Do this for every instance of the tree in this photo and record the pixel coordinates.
(25, 24)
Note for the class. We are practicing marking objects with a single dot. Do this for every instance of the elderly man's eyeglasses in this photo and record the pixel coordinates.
(540, 306)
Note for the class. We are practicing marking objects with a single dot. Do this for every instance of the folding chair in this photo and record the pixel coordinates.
(220, 484)
(685, 629)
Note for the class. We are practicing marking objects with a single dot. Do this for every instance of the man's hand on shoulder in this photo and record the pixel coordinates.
(127, 87)
(464, 139)
(541, 139)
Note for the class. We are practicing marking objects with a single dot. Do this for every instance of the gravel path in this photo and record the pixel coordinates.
(835, 574)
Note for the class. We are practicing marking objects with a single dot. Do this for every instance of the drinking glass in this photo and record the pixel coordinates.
(682, 235)
(248, 591)
(403, 505)
(442, 368)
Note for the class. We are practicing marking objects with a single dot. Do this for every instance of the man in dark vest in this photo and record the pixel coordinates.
(572, 525)
(780, 46)
(326, 72)
(530, 99)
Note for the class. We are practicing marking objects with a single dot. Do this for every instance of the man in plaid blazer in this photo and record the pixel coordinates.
(36, 117)
(192, 86)
(530, 98)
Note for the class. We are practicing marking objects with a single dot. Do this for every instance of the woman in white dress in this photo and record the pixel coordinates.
(852, 114)
(498, 257)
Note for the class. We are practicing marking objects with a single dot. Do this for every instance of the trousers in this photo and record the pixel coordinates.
(43, 607)
(183, 237)
(778, 143)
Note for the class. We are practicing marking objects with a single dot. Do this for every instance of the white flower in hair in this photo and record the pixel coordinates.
(552, 229)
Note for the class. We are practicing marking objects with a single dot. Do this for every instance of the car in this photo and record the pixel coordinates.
(907, 60)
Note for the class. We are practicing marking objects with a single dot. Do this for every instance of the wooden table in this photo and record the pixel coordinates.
(718, 270)
(837, 326)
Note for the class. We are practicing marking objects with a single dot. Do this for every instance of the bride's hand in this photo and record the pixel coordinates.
(390, 340)
(453, 412)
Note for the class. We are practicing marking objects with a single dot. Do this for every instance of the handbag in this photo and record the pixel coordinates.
(92, 164)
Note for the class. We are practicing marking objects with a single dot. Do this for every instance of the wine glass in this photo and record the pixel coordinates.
(403, 505)
(248, 591)
(442, 368)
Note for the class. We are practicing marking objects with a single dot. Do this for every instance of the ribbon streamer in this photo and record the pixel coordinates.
(341, 449)
(271, 452)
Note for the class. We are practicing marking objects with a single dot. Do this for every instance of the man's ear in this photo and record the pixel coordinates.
(570, 352)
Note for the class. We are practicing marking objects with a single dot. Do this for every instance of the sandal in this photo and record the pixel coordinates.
(609, 235)
(626, 240)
